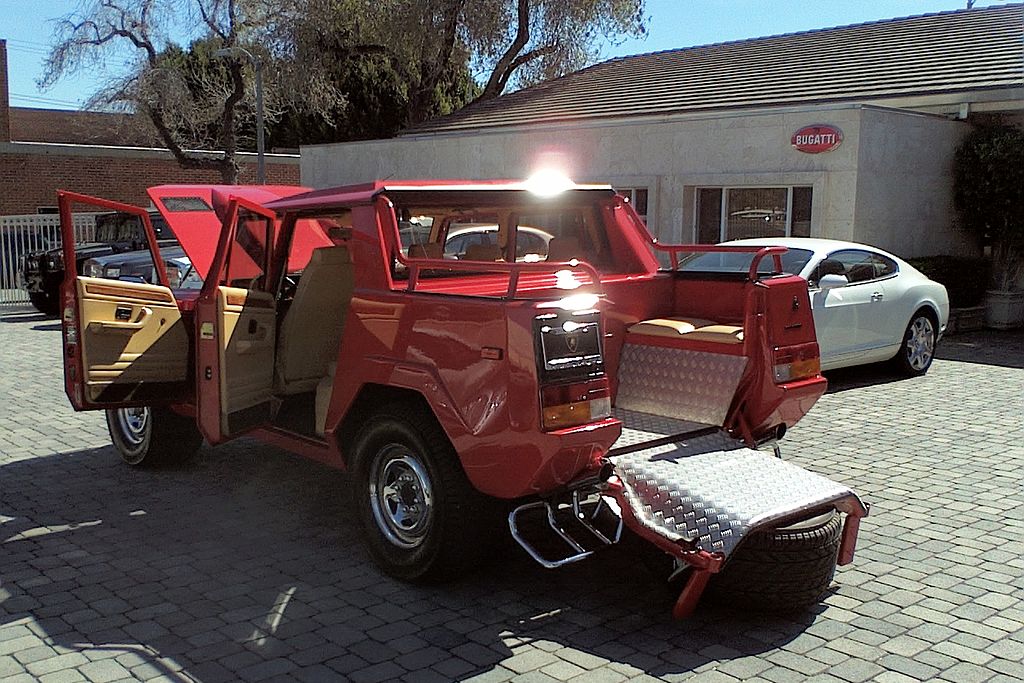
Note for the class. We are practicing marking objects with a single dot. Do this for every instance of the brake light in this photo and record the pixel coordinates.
(569, 405)
(792, 363)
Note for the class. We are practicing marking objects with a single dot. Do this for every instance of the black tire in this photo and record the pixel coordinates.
(421, 518)
(918, 348)
(153, 437)
(44, 302)
(781, 570)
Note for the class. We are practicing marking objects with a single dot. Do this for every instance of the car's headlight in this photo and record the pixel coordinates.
(55, 260)
(92, 269)
(114, 272)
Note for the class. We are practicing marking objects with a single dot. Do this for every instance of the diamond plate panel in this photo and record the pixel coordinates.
(714, 498)
(695, 386)
(643, 427)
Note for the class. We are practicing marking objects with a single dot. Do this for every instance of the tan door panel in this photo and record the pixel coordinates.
(247, 323)
(132, 335)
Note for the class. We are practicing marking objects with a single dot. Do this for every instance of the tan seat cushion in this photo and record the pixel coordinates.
(563, 249)
(430, 250)
(697, 329)
(723, 334)
(324, 390)
(669, 327)
(312, 327)
(483, 252)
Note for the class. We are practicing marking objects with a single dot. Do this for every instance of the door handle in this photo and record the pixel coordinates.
(112, 326)
(877, 296)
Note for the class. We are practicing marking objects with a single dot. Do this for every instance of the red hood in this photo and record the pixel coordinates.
(195, 214)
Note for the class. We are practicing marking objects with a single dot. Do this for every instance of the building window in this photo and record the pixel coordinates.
(732, 213)
(637, 196)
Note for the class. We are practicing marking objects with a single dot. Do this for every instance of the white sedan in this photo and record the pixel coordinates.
(868, 305)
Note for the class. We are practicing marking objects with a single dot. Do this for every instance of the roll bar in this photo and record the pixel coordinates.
(759, 252)
(514, 270)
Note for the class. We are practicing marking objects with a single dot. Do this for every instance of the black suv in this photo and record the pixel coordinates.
(43, 271)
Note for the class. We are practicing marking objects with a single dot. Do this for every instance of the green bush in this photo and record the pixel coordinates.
(965, 278)
(988, 181)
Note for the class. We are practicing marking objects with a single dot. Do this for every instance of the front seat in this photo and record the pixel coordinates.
(311, 330)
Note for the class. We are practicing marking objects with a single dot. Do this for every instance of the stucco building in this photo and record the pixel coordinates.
(846, 132)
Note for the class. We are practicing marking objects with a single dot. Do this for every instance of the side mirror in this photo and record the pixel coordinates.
(832, 280)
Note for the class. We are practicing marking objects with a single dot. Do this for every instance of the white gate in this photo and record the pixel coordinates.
(21, 235)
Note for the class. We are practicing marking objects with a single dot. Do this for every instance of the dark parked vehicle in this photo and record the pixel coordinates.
(43, 271)
(137, 266)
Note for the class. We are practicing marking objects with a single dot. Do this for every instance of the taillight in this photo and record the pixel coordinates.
(569, 405)
(792, 363)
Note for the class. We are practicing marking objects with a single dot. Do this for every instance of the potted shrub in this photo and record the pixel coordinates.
(989, 196)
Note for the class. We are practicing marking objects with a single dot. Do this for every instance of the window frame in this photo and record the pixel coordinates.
(723, 217)
(629, 192)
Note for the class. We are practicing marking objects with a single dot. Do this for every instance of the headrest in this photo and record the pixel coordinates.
(331, 255)
(428, 250)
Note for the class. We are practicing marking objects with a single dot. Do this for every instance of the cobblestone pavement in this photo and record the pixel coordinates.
(244, 565)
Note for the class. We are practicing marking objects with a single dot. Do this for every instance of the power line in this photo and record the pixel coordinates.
(43, 100)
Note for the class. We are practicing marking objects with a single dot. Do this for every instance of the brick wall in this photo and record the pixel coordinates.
(31, 180)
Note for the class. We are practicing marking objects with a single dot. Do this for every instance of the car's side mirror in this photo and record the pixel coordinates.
(832, 280)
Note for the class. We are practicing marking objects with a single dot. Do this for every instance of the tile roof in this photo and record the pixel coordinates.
(82, 127)
(964, 50)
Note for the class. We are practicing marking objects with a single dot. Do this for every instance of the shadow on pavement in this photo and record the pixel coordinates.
(246, 561)
(989, 347)
(1004, 348)
(23, 315)
(859, 376)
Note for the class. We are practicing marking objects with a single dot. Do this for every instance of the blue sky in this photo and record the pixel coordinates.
(28, 27)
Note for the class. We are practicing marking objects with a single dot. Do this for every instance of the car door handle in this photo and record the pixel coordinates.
(877, 296)
(109, 326)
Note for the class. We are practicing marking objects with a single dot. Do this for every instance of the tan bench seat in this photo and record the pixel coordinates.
(696, 329)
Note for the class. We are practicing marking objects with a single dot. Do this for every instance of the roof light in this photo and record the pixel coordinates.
(548, 183)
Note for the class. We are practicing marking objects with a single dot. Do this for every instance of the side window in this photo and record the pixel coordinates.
(884, 266)
(247, 253)
(856, 265)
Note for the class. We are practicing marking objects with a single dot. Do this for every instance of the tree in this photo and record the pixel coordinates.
(988, 192)
(192, 99)
(427, 43)
(526, 41)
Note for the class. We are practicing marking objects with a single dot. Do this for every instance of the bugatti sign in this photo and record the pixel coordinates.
(818, 138)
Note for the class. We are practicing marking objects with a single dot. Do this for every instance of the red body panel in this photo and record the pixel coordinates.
(466, 344)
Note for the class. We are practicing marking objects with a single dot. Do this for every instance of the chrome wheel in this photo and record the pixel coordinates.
(401, 496)
(133, 424)
(919, 344)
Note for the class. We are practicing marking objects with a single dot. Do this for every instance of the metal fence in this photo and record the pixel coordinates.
(21, 235)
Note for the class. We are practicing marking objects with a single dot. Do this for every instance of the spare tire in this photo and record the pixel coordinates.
(781, 570)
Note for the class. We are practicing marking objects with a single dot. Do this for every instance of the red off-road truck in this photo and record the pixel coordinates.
(476, 355)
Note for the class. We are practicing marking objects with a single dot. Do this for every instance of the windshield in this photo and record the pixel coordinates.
(793, 261)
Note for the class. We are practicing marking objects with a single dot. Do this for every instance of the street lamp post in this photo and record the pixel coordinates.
(261, 176)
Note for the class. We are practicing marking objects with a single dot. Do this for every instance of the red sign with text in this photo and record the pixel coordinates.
(816, 139)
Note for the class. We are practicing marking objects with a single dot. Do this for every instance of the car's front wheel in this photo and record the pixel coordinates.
(918, 349)
(152, 437)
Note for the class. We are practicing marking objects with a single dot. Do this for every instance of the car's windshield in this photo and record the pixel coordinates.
(793, 261)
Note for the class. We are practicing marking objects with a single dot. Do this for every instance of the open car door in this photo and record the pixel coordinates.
(236, 327)
(124, 341)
